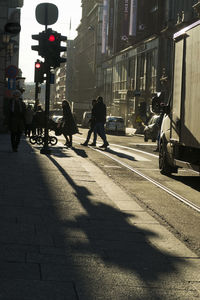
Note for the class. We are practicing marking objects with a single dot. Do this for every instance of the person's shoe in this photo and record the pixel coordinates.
(156, 150)
(104, 145)
(84, 144)
(92, 144)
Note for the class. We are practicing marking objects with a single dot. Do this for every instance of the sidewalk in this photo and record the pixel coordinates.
(68, 232)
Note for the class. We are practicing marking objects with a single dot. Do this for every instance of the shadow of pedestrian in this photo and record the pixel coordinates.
(120, 154)
(122, 247)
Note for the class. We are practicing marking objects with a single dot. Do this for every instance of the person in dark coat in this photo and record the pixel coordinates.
(16, 119)
(91, 130)
(100, 120)
(39, 120)
(68, 124)
(28, 120)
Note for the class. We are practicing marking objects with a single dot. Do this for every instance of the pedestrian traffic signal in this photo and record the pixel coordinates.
(39, 71)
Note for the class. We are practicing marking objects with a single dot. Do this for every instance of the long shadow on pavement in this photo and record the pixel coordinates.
(127, 256)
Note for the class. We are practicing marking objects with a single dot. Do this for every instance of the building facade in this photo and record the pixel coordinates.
(85, 57)
(139, 63)
(9, 51)
(124, 51)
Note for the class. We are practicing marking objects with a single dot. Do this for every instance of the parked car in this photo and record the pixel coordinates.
(152, 128)
(115, 124)
(56, 118)
(86, 118)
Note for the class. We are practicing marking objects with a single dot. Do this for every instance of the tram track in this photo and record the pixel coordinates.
(146, 177)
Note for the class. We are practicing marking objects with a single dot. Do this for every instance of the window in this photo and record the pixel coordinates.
(141, 71)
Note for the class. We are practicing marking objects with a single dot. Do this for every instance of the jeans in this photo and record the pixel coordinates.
(90, 131)
(100, 130)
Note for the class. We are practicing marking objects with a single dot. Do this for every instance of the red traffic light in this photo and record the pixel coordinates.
(38, 65)
(52, 38)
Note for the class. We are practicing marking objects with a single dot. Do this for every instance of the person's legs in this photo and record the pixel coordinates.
(101, 132)
(13, 140)
(94, 136)
(18, 137)
(88, 137)
(67, 140)
(70, 140)
(158, 140)
(94, 130)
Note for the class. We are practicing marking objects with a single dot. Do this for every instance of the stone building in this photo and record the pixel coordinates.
(9, 51)
(86, 57)
(124, 52)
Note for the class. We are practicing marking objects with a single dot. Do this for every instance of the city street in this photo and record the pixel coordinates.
(117, 217)
(79, 225)
(129, 160)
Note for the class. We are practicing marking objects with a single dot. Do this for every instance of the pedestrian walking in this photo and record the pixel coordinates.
(68, 124)
(28, 120)
(92, 126)
(100, 120)
(39, 120)
(16, 119)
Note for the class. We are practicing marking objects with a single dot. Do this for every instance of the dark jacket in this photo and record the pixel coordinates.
(69, 126)
(16, 115)
(92, 121)
(100, 112)
(39, 119)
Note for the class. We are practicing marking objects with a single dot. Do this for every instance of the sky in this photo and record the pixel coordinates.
(67, 10)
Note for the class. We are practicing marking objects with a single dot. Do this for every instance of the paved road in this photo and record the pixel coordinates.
(138, 156)
(69, 232)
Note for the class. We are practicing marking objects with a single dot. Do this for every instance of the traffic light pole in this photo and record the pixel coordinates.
(45, 149)
(49, 48)
(36, 90)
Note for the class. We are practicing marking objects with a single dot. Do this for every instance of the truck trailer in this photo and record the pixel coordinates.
(179, 143)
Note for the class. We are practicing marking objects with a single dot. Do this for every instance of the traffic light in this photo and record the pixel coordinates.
(41, 43)
(54, 48)
(49, 47)
(39, 71)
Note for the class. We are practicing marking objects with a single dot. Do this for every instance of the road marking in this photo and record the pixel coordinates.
(143, 144)
(136, 150)
(136, 157)
(114, 167)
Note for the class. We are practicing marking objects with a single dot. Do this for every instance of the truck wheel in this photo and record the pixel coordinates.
(164, 166)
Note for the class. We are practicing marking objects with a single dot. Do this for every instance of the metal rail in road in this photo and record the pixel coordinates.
(156, 183)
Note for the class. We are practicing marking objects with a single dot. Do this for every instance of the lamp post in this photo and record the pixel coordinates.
(95, 45)
(92, 28)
